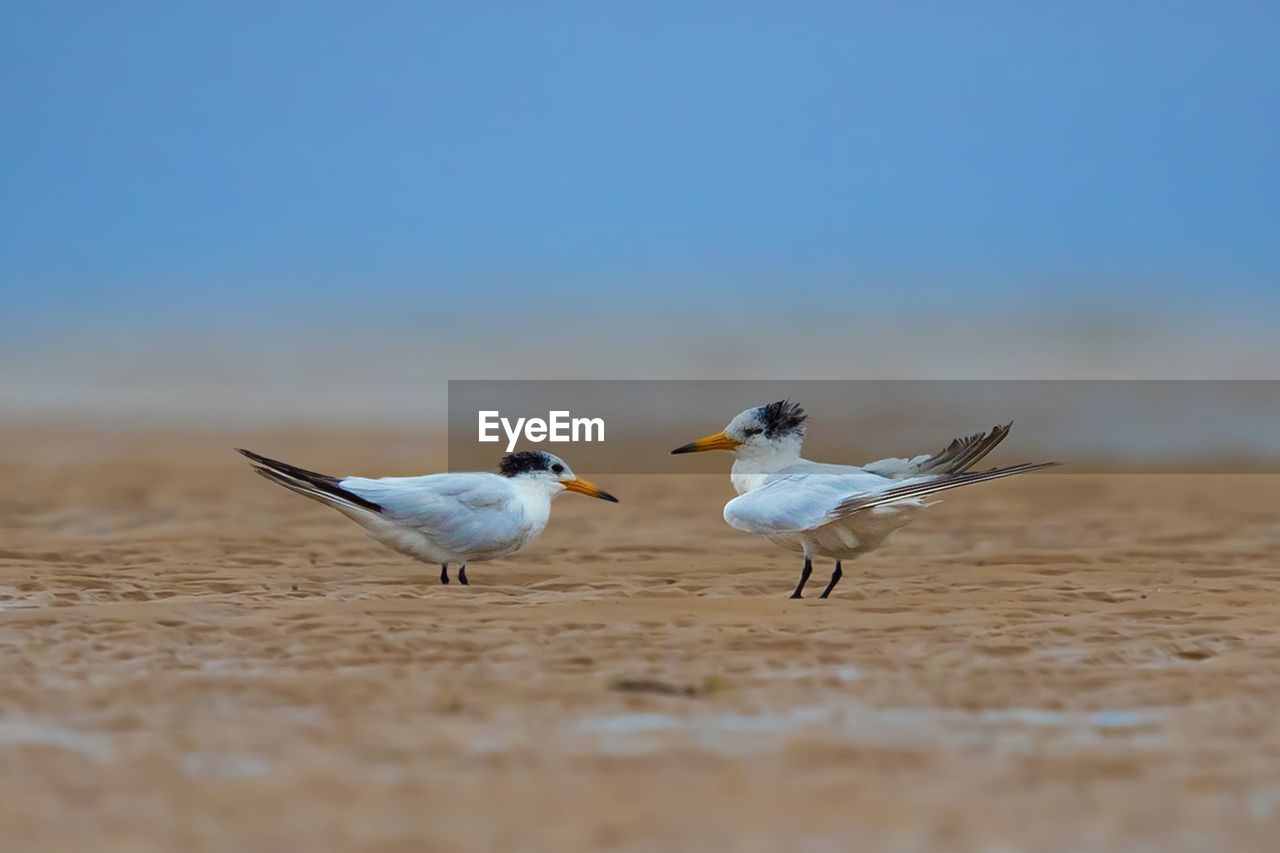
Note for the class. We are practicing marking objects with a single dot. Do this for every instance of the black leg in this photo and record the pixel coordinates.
(462, 575)
(804, 577)
(835, 579)
(444, 573)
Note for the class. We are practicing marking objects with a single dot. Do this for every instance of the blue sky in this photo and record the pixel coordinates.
(167, 157)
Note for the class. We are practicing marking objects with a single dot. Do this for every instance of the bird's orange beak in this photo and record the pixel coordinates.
(719, 441)
(582, 487)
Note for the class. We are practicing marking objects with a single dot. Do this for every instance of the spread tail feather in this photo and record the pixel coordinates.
(320, 487)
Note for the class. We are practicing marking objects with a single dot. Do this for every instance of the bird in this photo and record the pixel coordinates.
(449, 519)
(835, 511)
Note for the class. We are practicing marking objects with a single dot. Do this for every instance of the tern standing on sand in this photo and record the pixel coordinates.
(444, 518)
(837, 511)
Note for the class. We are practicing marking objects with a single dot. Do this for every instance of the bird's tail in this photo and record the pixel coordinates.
(321, 487)
(858, 503)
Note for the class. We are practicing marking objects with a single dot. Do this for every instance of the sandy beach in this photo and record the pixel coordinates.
(400, 240)
(196, 660)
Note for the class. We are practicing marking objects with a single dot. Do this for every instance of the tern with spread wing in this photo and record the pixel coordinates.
(837, 511)
(444, 518)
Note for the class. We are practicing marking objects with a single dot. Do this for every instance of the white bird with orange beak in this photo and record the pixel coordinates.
(838, 511)
(444, 518)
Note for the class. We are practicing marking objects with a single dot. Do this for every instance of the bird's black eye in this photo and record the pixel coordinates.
(753, 431)
(557, 468)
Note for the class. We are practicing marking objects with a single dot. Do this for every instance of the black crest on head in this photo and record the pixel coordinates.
(523, 462)
(781, 418)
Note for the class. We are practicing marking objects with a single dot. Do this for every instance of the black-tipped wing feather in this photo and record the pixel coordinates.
(963, 453)
(956, 458)
(309, 483)
(924, 488)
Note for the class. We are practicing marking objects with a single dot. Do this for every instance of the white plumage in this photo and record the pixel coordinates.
(838, 511)
(444, 518)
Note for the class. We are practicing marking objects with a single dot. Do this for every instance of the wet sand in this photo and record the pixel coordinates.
(194, 659)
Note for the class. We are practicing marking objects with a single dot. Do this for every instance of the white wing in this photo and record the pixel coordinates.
(790, 503)
(466, 513)
(798, 502)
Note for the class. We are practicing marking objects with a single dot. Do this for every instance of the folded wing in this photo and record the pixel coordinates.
(797, 502)
(467, 513)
